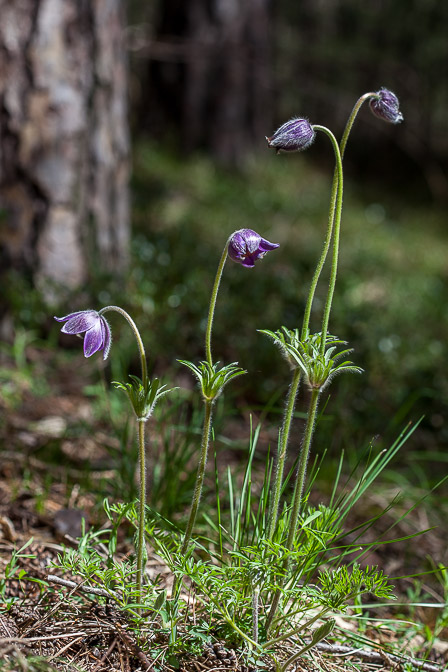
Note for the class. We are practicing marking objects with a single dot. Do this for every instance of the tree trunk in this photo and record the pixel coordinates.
(64, 140)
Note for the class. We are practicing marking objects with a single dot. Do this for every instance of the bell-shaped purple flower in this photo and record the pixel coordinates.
(96, 330)
(294, 136)
(246, 246)
(386, 106)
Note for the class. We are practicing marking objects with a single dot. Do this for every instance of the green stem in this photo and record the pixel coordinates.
(199, 476)
(298, 493)
(255, 608)
(331, 216)
(352, 117)
(323, 256)
(198, 485)
(211, 310)
(141, 554)
(283, 440)
(337, 228)
(138, 338)
(301, 467)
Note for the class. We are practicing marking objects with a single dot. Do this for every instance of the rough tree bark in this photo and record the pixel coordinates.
(64, 140)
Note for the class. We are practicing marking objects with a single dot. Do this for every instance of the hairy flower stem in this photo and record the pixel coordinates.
(293, 390)
(332, 211)
(255, 609)
(337, 229)
(140, 550)
(200, 475)
(298, 493)
(138, 338)
(351, 120)
(211, 310)
(198, 485)
(323, 256)
(301, 468)
(283, 440)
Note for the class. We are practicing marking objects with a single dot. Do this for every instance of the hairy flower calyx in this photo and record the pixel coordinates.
(143, 398)
(318, 366)
(213, 377)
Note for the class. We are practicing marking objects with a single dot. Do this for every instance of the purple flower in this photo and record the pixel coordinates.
(246, 246)
(294, 136)
(386, 106)
(97, 331)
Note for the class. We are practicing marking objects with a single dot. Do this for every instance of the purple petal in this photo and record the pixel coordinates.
(237, 244)
(248, 262)
(266, 246)
(252, 239)
(80, 322)
(107, 337)
(93, 340)
(69, 317)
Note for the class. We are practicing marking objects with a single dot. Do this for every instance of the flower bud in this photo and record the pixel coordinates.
(294, 136)
(246, 246)
(386, 106)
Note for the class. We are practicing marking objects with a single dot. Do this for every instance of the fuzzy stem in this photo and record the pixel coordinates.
(352, 117)
(211, 310)
(332, 211)
(141, 422)
(283, 440)
(301, 468)
(141, 451)
(298, 493)
(198, 485)
(337, 229)
(138, 338)
(323, 256)
(200, 475)
(255, 608)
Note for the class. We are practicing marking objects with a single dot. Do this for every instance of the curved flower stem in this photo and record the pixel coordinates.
(138, 338)
(298, 493)
(352, 117)
(283, 440)
(337, 228)
(323, 256)
(211, 310)
(331, 216)
(141, 551)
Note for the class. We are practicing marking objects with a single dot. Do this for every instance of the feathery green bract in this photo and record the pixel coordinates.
(143, 399)
(306, 353)
(213, 378)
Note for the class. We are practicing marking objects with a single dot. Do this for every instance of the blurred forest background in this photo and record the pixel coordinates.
(133, 144)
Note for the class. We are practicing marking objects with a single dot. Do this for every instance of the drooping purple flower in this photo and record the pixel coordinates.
(96, 330)
(294, 136)
(386, 107)
(246, 246)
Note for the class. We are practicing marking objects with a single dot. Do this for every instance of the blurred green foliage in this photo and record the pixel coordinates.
(391, 296)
